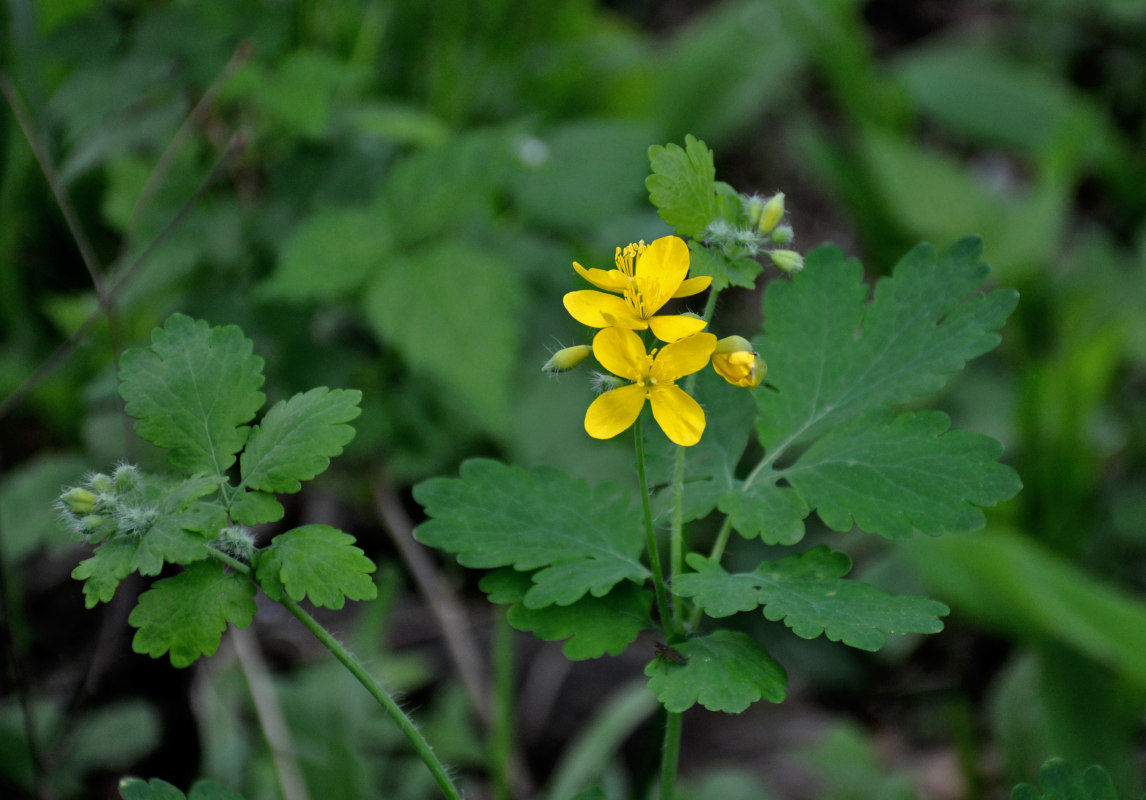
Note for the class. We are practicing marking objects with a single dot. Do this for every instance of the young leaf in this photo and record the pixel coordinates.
(109, 564)
(1059, 780)
(893, 475)
(830, 357)
(192, 391)
(592, 626)
(724, 671)
(807, 592)
(683, 185)
(185, 615)
(297, 438)
(588, 540)
(723, 270)
(316, 561)
(177, 538)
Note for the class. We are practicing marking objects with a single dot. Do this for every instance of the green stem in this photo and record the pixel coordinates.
(404, 723)
(663, 607)
(670, 758)
(676, 532)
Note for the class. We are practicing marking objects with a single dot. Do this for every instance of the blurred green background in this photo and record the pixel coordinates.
(387, 196)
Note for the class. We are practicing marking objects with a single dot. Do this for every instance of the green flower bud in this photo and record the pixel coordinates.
(101, 483)
(236, 541)
(753, 208)
(567, 358)
(79, 500)
(125, 477)
(772, 214)
(783, 234)
(788, 261)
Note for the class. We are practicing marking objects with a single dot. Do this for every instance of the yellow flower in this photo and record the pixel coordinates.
(736, 362)
(652, 374)
(647, 277)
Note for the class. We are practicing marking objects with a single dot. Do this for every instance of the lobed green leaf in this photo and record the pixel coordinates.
(893, 475)
(831, 358)
(192, 391)
(318, 562)
(683, 185)
(808, 593)
(724, 671)
(297, 438)
(185, 615)
(580, 539)
(591, 627)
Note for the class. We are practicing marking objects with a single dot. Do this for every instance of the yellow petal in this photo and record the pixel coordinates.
(615, 411)
(621, 352)
(680, 417)
(612, 280)
(661, 270)
(590, 308)
(692, 286)
(671, 328)
(683, 357)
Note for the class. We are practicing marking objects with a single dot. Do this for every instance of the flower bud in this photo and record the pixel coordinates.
(125, 477)
(736, 362)
(753, 208)
(79, 500)
(567, 358)
(773, 212)
(101, 483)
(782, 234)
(788, 261)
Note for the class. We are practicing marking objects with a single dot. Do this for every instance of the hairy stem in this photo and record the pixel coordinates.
(348, 660)
(663, 608)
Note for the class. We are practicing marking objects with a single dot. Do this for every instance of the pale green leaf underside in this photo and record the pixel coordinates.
(830, 357)
(318, 562)
(683, 185)
(192, 391)
(496, 516)
(724, 671)
(895, 475)
(185, 615)
(591, 627)
(297, 438)
(807, 591)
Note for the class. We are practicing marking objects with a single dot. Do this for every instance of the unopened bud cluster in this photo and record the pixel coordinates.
(761, 229)
(105, 505)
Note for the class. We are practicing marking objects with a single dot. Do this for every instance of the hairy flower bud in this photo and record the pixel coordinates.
(788, 261)
(79, 500)
(772, 213)
(782, 234)
(567, 358)
(736, 362)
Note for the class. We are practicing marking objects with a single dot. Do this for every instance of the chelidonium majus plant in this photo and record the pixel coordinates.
(821, 388)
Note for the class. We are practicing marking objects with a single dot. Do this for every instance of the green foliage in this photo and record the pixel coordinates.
(581, 540)
(1060, 780)
(683, 185)
(808, 593)
(157, 789)
(193, 391)
(591, 626)
(317, 562)
(297, 438)
(185, 615)
(723, 671)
